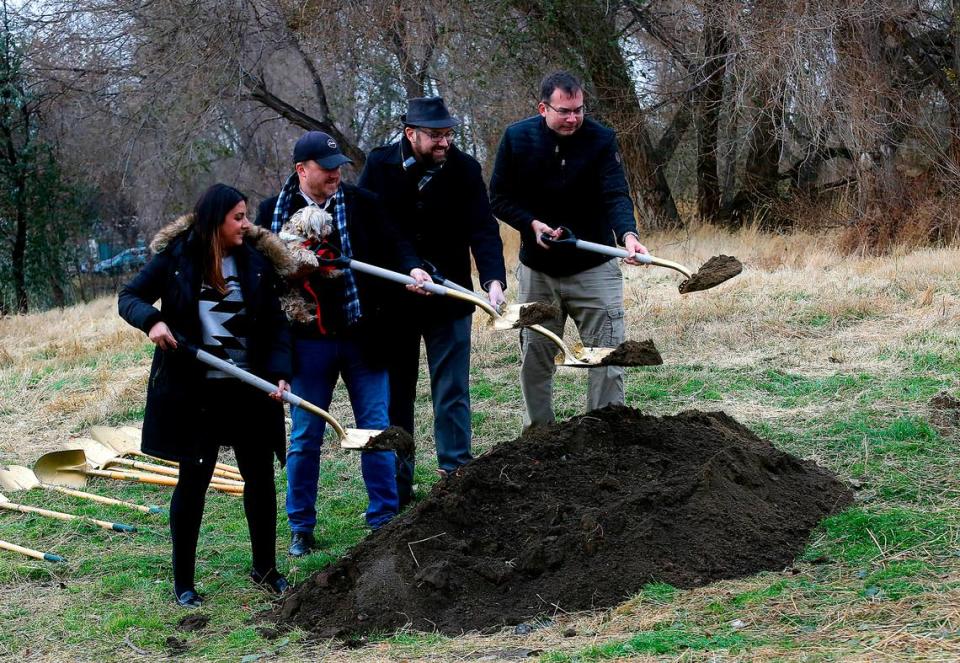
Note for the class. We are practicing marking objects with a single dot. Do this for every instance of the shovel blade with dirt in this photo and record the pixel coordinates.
(712, 273)
(14, 478)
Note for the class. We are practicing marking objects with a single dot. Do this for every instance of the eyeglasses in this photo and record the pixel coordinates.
(437, 136)
(566, 112)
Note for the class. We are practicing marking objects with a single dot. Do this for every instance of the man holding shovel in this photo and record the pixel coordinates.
(438, 199)
(337, 323)
(560, 168)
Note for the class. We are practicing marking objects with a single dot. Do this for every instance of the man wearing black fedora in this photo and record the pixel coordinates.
(438, 199)
(341, 336)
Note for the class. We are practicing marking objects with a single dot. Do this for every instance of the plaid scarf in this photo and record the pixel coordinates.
(281, 214)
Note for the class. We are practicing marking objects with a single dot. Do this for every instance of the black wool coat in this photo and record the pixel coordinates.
(575, 181)
(445, 222)
(173, 423)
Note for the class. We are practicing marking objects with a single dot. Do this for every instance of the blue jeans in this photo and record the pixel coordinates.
(448, 359)
(317, 365)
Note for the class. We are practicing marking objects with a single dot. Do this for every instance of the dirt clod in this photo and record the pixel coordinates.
(634, 353)
(713, 272)
(393, 437)
(537, 313)
(526, 529)
(944, 412)
(193, 623)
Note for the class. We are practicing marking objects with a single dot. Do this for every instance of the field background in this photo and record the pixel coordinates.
(833, 358)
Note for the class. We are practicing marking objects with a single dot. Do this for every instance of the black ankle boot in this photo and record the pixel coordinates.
(189, 598)
(272, 580)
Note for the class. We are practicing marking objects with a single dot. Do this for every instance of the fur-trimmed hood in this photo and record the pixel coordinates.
(259, 238)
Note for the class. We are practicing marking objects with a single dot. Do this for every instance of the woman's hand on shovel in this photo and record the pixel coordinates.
(162, 336)
(540, 228)
(632, 244)
(282, 386)
(421, 278)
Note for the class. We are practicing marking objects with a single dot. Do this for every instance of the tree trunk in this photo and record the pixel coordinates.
(18, 257)
(708, 119)
(617, 105)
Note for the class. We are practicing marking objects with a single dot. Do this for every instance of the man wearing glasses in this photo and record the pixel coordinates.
(555, 169)
(439, 202)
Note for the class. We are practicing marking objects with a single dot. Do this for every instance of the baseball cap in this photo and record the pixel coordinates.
(320, 147)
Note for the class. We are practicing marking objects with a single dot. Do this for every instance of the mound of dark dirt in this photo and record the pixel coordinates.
(393, 437)
(537, 313)
(576, 515)
(714, 272)
(634, 353)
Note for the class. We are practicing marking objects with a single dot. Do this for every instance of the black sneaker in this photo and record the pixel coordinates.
(271, 580)
(301, 543)
(189, 599)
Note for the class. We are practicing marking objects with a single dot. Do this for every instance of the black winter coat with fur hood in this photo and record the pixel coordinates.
(175, 398)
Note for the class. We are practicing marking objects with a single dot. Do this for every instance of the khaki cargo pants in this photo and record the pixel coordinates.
(594, 299)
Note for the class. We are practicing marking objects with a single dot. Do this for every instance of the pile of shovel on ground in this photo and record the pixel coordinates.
(67, 471)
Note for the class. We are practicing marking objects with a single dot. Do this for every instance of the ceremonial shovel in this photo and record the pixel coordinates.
(350, 438)
(70, 468)
(580, 358)
(126, 442)
(102, 457)
(59, 515)
(700, 280)
(17, 477)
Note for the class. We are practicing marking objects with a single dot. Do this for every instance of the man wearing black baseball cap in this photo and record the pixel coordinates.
(438, 198)
(344, 337)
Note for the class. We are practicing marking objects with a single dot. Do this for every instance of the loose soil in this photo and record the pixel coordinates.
(537, 313)
(945, 414)
(714, 272)
(574, 516)
(393, 437)
(634, 353)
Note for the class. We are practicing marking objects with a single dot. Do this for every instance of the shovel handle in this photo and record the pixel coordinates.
(568, 238)
(150, 468)
(30, 552)
(59, 515)
(153, 479)
(93, 497)
(220, 469)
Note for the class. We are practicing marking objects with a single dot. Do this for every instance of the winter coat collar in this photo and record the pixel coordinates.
(255, 237)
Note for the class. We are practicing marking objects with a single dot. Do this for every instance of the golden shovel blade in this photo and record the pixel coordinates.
(509, 317)
(63, 468)
(120, 441)
(18, 477)
(357, 438)
(98, 455)
(583, 357)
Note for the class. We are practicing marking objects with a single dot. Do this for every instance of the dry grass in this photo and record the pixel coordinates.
(855, 332)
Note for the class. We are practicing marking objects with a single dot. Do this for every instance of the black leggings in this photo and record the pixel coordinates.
(259, 504)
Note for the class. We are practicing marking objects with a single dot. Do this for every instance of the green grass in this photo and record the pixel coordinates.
(888, 560)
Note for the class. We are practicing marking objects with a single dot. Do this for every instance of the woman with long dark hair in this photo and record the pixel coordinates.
(214, 275)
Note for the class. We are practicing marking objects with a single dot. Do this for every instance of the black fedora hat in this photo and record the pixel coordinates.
(429, 113)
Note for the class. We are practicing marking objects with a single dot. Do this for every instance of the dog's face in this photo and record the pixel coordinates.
(312, 223)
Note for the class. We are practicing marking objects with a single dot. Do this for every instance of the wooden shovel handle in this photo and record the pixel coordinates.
(150, 468)
(158, 480)
(59, 515)
(220, 469)
(93, 497)
(30, 552)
